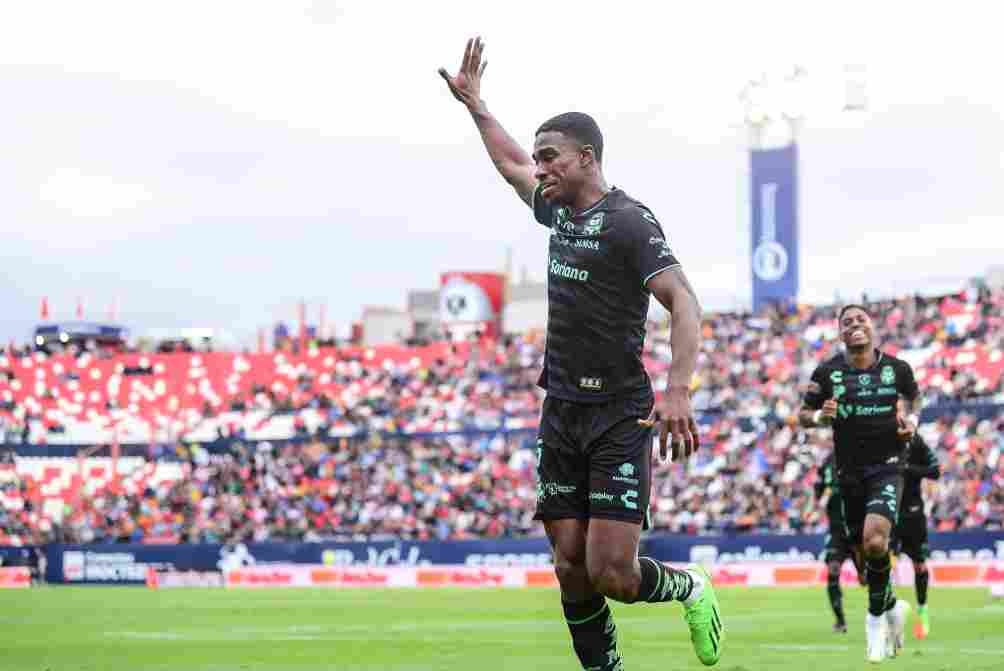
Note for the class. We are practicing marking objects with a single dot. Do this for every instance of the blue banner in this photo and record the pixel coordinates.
(16, 556)
(774, 198)
(960, 545)
(128, 564)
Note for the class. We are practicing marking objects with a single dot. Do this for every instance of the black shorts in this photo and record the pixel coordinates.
(910, 538)
(875, 490)
(594, 460)
(837, 545)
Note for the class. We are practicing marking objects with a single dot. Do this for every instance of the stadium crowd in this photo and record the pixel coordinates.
(754, 475)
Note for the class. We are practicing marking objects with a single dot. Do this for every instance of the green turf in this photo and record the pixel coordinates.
(103, 628)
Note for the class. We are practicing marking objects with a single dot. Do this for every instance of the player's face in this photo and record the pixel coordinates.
(856, 329)
(560, 166)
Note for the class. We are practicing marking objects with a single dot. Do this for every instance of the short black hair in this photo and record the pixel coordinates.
(852, 306)
(578, 126)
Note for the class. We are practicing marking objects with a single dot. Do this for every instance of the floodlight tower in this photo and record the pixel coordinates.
(773, 114)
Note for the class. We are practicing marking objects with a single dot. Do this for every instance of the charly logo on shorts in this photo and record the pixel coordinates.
(889, 493)
(626, 470)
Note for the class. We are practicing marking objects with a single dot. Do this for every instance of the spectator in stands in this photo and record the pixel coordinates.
(342, 480)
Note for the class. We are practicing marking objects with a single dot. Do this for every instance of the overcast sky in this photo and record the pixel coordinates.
(210, 163)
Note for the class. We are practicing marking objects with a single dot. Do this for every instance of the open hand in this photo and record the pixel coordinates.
(466, 84)
(675, 418)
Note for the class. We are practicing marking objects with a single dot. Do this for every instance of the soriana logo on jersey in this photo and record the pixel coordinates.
(470, 297)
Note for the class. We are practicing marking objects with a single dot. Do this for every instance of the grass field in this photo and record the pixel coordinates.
(115, 629)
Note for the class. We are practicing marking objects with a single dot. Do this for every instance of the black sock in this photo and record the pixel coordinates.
(594, 635)
(660, 583)
(836, 596)
(920, 582)
(880, 597)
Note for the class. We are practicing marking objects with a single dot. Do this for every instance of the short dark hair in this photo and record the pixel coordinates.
(852, 306)
(578, 126)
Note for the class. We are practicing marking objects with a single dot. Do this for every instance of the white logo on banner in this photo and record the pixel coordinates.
(73, 565)
(234, 557)
(770, 260)
(461, 300)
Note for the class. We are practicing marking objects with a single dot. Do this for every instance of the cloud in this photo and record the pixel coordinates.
(261, 151)
(92, 196)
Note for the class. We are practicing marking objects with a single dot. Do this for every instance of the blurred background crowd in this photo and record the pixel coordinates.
(436, 442)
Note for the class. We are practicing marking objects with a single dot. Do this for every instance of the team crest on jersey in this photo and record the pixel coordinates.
(561, 221)
(888, 375)
(864, 380)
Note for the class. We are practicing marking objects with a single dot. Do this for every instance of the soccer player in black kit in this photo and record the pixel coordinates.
(607, 255)
(837, 547)
(910, 537)
(868, 397)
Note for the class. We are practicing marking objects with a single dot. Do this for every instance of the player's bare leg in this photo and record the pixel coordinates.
(594, 635)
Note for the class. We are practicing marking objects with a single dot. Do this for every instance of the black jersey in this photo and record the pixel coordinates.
(827, 479)
(865, 428)
(599, 262)
(921, 462)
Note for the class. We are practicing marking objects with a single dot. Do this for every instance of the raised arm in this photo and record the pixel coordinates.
(510, 159)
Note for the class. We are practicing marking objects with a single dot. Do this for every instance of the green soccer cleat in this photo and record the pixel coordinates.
(922, 627)
(705, 621)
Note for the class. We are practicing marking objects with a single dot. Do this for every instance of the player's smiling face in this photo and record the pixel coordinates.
(560, 166)
(856, 329)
